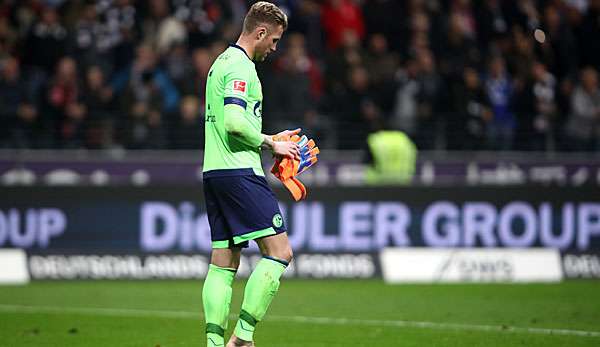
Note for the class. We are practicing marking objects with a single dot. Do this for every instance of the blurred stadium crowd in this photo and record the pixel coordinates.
(453, 74)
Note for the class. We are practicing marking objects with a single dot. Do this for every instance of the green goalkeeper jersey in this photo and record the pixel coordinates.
(232, 80)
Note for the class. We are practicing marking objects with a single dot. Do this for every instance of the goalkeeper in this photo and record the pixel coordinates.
(239, 203)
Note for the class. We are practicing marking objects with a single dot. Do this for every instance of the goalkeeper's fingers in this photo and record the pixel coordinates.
(306, 163)
(294, 132)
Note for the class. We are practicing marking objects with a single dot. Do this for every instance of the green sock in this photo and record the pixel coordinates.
(216, 298)
(260, 290)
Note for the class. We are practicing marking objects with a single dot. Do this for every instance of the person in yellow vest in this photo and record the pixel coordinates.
(391, 155)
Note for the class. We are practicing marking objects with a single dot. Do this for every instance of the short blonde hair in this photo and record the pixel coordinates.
(264, 12)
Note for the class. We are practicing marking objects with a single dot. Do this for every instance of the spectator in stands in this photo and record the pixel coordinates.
(466, 127)
(195, 82)
(521, 56)
(205, 20)
(118, 30)
(419, 32)
(499, 90)
(383, 64)
(160, 29)
(339, 63)
(87, 42)
(357, 110)
(536, 111)
(583, 125)
(493, 26)
(527, 15)
(178, 64)
(144, 80)
(21, 127)
(296, 89)
(545, 102)
(340, 17)
(46, 42)
(65, 105)
(463, 14)
(590, 27)
(98, 98)
(559, 53)
(460, 50)
(143, 128)
(404, 115)
(8, 37)
(430, 101)
(307, 20)
(378, 21)
(188, 130)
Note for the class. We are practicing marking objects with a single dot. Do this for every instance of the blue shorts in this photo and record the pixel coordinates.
(241, 207)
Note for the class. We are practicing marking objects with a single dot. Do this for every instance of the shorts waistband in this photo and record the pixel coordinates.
(228, 173)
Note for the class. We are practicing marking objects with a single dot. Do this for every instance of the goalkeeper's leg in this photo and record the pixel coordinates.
(261, 287)
(216, 293)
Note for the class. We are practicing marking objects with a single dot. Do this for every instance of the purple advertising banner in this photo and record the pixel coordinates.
(162, 220)
(332, 170)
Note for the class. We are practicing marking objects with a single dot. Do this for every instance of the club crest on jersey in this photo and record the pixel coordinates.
(239, 86)
(257, 109)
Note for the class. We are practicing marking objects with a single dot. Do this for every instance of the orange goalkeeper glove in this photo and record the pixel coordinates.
(286, 169)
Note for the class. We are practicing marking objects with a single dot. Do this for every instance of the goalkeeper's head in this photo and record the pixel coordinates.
(264, 25)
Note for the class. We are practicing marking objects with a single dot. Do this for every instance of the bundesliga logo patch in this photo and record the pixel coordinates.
(239, 86)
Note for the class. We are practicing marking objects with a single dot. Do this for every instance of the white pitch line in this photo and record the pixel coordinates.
(128, 312)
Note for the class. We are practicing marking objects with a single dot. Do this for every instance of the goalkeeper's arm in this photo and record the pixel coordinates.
(237, 125)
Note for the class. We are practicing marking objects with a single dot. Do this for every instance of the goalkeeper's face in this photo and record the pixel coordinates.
(267, 42)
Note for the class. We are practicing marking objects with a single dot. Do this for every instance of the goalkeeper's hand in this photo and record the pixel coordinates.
(287, 133)
(308, 153)
(286, 149)
(286, 169)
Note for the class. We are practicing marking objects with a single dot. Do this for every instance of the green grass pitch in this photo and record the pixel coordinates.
(305, 313)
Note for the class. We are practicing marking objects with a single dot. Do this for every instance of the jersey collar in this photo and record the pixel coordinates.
(240, 48)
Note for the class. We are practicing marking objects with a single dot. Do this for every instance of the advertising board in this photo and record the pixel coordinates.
(426, 265)
(191, 266)
(581, 265)
(158, 220)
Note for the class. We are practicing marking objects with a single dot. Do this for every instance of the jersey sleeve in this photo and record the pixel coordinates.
(237, 124)
(235, 95)
(237, 84)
